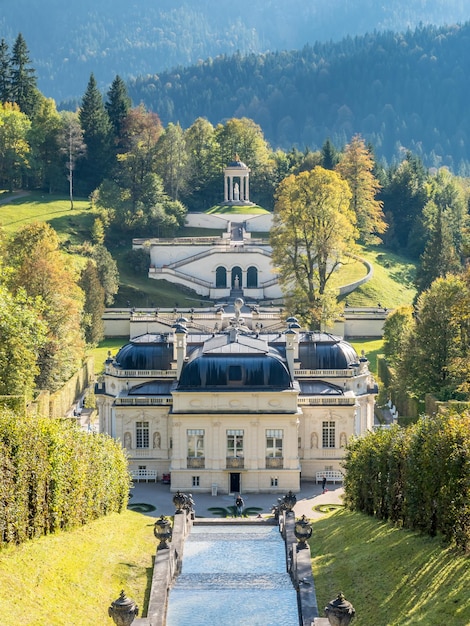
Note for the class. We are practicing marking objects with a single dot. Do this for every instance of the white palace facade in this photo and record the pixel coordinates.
(243, 408)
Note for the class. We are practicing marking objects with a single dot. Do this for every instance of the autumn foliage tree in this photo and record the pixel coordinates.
(41, 270)
(356, 166)
(313, 229)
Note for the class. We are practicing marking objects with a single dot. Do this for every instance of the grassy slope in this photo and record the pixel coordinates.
(392, 577)
(391, 284)
(72, 578)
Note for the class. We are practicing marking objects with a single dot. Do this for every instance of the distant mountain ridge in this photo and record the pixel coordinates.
(401, 92)
(135, 38)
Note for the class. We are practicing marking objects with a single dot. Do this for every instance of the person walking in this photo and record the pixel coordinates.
(323, 483)
(239, 506)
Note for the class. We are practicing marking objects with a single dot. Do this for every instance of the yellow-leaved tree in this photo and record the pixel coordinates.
(313, 229)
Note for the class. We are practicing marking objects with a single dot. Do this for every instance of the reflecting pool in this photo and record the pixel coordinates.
(233, 576)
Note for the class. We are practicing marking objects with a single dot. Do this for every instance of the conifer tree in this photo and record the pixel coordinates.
(94, 307)
(329, 156)
(118, 106)
(97, 136)
(5, 73)
(440, 256)
(23, 78)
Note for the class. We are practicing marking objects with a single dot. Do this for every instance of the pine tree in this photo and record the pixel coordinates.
(23, 79)
(329, 156)
(118, 106)
(97, 136)
(439, 257)
(5, 73)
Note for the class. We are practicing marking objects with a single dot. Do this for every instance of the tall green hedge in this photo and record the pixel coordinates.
(55, 476)
(418, 477)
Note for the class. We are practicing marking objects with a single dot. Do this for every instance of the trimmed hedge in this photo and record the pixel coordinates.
(417, 477)
(54, 476)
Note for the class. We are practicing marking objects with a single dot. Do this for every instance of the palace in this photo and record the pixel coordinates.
(241, 408)
(233, 399)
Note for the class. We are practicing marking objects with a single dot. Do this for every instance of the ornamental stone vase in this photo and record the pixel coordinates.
(123, 610)
(303, 531)
(340, 612)
(163, 532)
(179, 500)
(289, 501)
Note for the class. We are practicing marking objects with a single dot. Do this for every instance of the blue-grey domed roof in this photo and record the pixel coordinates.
(321, 351)
(239, 164)
(319, 388)
(147, 352)
(244, 363)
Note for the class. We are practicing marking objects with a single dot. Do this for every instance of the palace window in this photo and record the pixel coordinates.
(274, 443)
(328, 435)
(195, 443)
(234, 443)
(195, 481)
(142, 434)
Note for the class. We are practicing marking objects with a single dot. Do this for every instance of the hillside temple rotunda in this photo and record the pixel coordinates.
(236, 263)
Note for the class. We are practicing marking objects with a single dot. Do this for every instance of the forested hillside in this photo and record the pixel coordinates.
(109, 37)
(399, 91)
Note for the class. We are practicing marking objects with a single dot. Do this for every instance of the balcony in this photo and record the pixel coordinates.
(196, 462)
(274, 462)
(235, 462)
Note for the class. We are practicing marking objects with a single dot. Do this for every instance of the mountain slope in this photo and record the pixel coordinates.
(138, 37)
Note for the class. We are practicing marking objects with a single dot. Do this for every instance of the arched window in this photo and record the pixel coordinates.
(236, 277)
(252, 277)
(221, 277)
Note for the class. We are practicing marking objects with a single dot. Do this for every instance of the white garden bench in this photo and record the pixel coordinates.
(332, 476)
(144, 474)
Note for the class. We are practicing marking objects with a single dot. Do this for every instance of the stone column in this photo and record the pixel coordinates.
(225, 188)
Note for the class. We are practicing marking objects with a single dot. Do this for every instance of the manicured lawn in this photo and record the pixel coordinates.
(72, 578)
(74, 226)
(392, 577)
(100, 353)
(391, 284)
(241, 210)
(371, 347)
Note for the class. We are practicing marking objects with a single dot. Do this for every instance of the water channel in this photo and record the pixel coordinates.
(233, 575)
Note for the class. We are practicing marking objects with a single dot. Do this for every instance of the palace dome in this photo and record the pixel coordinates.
(146, 352)
(322, 351)
(247, 363)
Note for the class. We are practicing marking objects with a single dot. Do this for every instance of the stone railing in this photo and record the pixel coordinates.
(274, 462)
(233, 462)
(196, 462)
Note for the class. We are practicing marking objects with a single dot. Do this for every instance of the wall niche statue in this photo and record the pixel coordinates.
(314, 441)
(127, 440)
(157, 440)
(343, 440)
